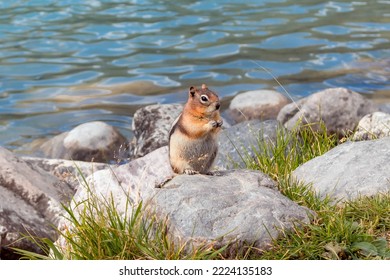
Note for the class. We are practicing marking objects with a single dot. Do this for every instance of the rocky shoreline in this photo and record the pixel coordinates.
(33, 188)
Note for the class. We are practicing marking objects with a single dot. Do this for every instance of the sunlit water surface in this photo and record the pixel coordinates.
(68, 62)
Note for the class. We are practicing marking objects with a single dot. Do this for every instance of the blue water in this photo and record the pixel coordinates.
(67, 62)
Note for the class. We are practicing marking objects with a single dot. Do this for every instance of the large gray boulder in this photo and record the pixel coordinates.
(30, 203)
(340, 109)
(93, 141)
(151, 125)
(256, 104)
(238, 143)
(237, 206)
(373, 126)
(349, 170)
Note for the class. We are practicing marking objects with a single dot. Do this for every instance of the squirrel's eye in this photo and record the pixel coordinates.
(204, 98)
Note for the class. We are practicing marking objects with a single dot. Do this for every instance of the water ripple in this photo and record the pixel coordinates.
(65, 62)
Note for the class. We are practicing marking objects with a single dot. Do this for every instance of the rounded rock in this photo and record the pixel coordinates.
(92, 141)
(340, 109)
(256, 104)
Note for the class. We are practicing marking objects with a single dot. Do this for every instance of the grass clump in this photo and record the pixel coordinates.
(343, 231)
(279, 157)
(100, 232)
(352, 230)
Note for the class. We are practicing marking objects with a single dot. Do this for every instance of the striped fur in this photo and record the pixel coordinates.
(193, 136)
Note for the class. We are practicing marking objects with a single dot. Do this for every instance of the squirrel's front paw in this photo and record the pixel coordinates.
(213, 123)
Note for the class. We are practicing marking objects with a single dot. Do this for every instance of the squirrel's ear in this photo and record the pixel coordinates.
(192, 91)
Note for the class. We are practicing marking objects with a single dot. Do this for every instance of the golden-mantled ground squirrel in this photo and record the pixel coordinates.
(193, 142)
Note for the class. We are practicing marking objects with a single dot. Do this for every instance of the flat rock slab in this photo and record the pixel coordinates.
(238, 206)
(350, 170)
(71, 172)
(30, 202)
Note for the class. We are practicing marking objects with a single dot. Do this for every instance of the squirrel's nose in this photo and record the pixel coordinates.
(217, 105)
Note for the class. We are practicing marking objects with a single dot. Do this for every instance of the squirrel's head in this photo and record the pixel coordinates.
(203, 100)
